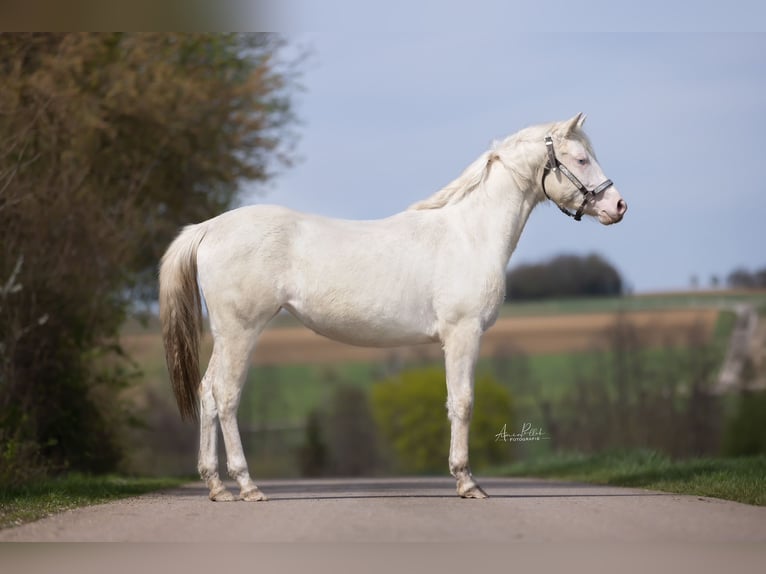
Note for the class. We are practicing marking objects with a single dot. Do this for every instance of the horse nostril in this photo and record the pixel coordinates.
(622, 207)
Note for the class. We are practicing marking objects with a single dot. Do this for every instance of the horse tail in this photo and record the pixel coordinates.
(181, 318)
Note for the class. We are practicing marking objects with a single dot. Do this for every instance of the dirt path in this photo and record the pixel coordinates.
(410, 510)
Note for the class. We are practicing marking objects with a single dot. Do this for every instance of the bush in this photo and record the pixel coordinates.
(746, 433)
(410, 412)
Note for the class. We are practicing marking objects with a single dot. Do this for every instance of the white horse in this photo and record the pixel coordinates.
(435, 272)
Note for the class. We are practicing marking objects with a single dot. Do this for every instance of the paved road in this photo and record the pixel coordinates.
(411, 510)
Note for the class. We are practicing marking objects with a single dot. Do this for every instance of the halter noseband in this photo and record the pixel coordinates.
(554, 164)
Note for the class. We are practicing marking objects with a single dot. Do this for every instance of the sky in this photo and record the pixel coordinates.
(399, 98)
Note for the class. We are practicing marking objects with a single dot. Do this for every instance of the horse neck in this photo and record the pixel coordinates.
(497, 211)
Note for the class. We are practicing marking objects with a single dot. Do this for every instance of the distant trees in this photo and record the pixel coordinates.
(743, 279)
(108, 143)
(563, 276)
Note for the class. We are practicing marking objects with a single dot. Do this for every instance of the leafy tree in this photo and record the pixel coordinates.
(108, 143)
(410, 411)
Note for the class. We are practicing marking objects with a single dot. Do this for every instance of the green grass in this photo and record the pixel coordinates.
(738, 479)
(681, 300)
(43, 498)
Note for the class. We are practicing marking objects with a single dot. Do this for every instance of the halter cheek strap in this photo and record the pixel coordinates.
(552, 165)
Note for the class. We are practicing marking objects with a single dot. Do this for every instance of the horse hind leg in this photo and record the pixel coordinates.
(207, 464)
(233, 358)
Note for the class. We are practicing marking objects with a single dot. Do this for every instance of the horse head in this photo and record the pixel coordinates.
(573, 179)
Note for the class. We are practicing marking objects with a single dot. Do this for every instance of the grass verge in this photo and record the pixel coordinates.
(43, 498)
(738, 479)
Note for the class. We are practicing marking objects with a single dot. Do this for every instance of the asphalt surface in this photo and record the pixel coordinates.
(394, 510)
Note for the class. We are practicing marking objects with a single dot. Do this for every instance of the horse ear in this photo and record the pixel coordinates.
(573, 123)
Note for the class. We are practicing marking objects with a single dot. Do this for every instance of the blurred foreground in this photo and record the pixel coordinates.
(582, 377)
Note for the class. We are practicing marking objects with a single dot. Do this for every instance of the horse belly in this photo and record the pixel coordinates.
(368, 328)
(367, 309)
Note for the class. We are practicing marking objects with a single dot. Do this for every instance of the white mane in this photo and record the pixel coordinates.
(524, 161)
(471, 177)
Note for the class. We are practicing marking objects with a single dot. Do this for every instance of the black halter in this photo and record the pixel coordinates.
(554, 164)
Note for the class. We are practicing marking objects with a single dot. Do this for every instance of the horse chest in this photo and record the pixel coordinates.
(471, 297)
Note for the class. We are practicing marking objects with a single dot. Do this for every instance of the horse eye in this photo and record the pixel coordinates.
(582, 161)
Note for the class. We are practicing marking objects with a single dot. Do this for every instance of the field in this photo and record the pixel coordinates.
(295, 371)
(301, 367)
(547, 327)
(532, 335)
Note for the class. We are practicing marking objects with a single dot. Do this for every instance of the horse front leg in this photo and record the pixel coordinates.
(461, 349)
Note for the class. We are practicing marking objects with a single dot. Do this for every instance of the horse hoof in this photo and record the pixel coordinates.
(473, 491)
(222, 495)
(254, 495)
